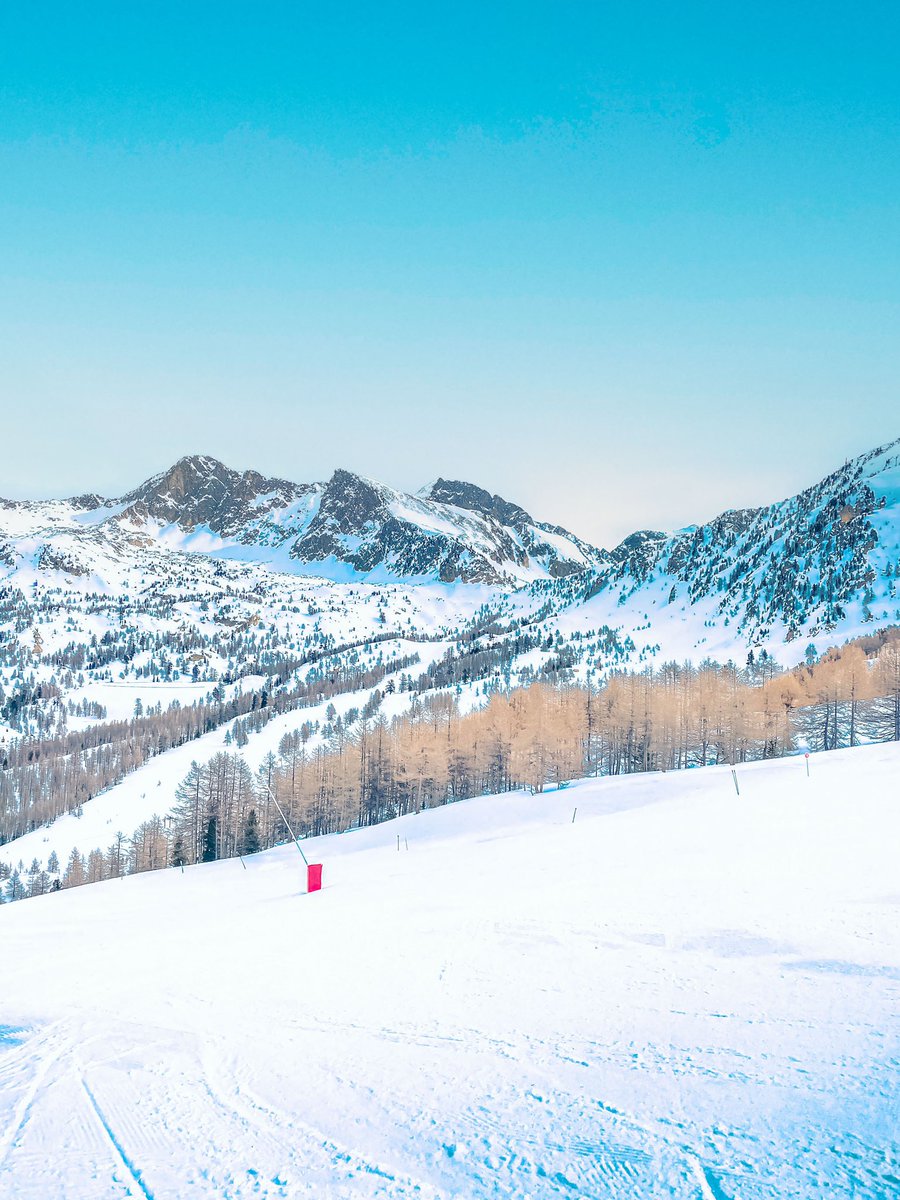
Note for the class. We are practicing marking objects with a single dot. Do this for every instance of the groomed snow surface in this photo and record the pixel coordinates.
(685, 993)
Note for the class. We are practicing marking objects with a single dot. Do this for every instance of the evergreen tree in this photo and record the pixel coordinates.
(251, 833)
(15, 888)
(188, 812)
(209, 844)
(34, 872)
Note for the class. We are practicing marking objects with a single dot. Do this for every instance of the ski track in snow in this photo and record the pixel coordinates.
(682, 997)
(132, 1170)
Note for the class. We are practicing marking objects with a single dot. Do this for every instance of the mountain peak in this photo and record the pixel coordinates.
(350, 500)
(201, 490)
(190, 472)
(477, 499)
(201, 464)
(342, 479)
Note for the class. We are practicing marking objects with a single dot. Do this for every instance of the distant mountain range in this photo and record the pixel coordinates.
(823, 560)
(349, 527)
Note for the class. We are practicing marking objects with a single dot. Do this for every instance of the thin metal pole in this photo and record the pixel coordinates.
(734, 777)
(286, 821)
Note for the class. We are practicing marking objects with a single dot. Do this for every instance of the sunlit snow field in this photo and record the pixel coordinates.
(684, 993)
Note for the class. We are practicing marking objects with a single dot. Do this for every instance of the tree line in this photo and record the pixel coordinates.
(365, 769)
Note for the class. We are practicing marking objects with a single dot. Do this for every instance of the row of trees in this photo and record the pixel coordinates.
(541, 735)
(368, 770)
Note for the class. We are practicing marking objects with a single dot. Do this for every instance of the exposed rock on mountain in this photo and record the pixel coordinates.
(826, 559)
(199, 490)
(455, 532)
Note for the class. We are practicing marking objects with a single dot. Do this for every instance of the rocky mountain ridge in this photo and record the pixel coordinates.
(797, 563)
(346, 527)
(824, 560)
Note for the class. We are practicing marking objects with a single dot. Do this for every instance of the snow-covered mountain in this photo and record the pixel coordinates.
(347, 528)
(154, 584)
(802, 564)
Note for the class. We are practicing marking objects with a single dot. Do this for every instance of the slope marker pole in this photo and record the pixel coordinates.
(286, 821)
(734, 777)
(573, 815)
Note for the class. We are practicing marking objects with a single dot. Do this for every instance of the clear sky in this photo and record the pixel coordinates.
(626, 263)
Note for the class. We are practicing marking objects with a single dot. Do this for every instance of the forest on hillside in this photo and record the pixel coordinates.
(365, 769)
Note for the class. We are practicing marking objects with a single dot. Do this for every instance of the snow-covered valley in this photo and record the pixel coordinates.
(685, 992)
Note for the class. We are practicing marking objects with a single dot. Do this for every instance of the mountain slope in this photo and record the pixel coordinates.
(822, 566)
(801, 566)
(506, 1008)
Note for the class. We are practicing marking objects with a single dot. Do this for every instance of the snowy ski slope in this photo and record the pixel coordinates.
(685, 993)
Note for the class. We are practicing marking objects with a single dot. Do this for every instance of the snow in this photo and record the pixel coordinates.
(119, 698)
(564, 547)
(144, 793)
(685, 993)
(432, 518)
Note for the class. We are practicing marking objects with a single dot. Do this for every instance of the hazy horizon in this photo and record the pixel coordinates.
(622, 527)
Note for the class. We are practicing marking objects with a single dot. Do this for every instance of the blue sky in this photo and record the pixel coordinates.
(628, 264)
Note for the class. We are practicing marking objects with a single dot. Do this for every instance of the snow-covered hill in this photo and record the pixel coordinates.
(685, 994)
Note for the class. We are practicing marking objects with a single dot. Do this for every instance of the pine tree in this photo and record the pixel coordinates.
(188, 811)
(34, 872)
(15, 888)
(209, 844)
(251, 833)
